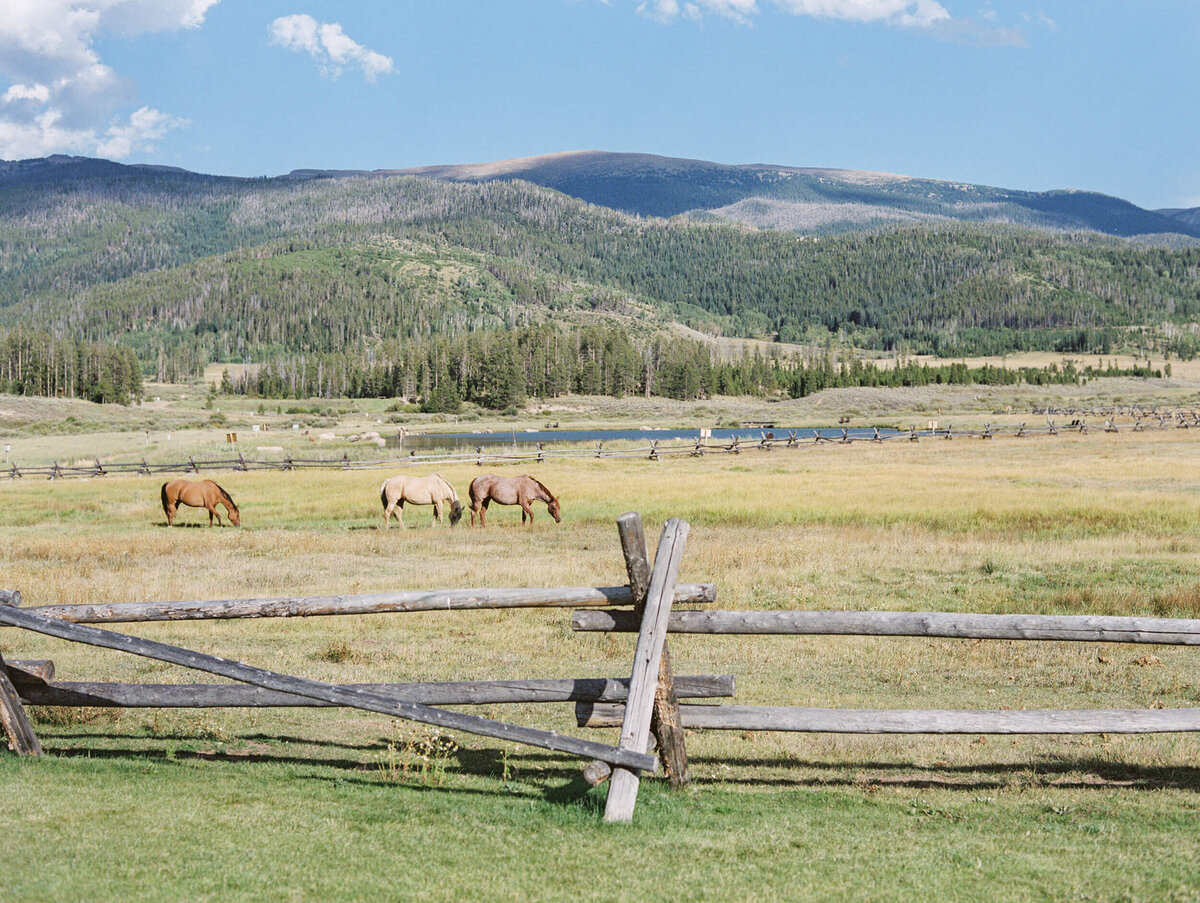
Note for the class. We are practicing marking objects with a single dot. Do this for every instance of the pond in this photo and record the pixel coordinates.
(527, 437)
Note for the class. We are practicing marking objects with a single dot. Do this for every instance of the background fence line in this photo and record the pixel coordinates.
(1137, 421)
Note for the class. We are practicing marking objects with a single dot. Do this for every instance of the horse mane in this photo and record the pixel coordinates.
(228, 497)
(542, 486)
(453, 493)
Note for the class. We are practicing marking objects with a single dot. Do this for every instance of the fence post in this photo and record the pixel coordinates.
(665, 723)
(21, 738)
(635, 728)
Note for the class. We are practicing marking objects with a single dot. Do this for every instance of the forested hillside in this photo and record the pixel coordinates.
(183, 269)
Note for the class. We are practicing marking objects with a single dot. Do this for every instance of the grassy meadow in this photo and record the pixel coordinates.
(301, 804)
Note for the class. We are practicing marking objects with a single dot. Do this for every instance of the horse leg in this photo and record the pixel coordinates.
(400, 512)
(526, 510)
(387, 515)
(483, 506)
(437, 512)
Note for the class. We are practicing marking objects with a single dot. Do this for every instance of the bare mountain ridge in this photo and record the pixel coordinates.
(811, 200)
(804, 199)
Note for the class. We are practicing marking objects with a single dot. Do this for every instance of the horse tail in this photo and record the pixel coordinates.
(163, 493)
(383, 493)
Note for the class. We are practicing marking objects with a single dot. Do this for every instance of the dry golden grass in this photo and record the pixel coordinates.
(1087, 524)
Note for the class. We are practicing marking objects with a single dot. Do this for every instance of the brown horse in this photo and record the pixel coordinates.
(520, 490)
(430, 490)
(201, 494)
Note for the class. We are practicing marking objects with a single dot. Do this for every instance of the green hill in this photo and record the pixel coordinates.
(184, 267)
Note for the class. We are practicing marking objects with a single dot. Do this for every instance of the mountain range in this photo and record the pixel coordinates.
(802, 199)
(181, 266)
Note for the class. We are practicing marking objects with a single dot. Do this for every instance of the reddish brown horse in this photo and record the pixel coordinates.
(202, 494)
(520, 490)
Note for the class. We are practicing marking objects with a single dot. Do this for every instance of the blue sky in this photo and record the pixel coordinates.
(1093, 94)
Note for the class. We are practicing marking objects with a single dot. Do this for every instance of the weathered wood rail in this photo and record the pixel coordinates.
(350, 697)
(361, 604)
(1070, 628)
(950, 625)
(652, 590)
(901, 721)
(37, 690)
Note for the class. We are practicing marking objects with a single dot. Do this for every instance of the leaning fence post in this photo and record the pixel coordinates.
(21, 738)
(666, 723)
(635, 728)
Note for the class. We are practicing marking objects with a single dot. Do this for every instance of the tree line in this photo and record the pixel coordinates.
(37, 363)
(500, 369)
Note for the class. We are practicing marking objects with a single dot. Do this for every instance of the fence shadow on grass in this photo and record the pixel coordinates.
(559, 779)
(1070, 772)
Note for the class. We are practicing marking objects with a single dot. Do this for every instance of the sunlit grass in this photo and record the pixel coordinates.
(1098, 524)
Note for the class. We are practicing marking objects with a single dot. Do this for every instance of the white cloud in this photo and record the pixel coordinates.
(331, 47)
(925, 14)
(145, 126)
(61, 96)
(918, 13)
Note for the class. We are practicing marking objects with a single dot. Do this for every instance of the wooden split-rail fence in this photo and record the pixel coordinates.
(1101, 420)
(649, 595)
(645, 704)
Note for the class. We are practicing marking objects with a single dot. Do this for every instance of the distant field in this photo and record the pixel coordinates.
(295, 804)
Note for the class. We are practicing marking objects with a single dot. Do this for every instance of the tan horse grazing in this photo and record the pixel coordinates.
(430, 490)
(520, 490)
(199, 494)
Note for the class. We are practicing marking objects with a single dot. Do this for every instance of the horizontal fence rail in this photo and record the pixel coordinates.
(900, 721)
(655, 450)
(361, 604)
(34, 691)
(1070, 628)
(334, 693)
